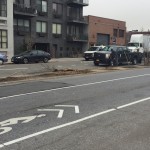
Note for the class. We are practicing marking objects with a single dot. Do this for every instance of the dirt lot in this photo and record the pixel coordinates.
(65, 72)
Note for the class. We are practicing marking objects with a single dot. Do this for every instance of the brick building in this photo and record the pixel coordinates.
(105, 31)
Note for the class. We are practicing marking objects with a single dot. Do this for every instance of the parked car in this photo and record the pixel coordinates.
(89, 54)
(31, 56)
(115, 55)
(3, 58)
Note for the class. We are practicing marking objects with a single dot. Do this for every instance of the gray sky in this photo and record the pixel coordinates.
(136, 13)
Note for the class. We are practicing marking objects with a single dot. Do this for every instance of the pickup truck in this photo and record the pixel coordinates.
(113, 55)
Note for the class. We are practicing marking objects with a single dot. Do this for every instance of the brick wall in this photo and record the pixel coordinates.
(105, 26)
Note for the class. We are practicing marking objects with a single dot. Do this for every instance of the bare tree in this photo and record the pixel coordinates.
(28, 42)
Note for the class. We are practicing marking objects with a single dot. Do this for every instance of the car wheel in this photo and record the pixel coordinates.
(96, 64)
(1, 62)
(25, 61)
(45, 60)
(134, 62)
(111, 63)
(140, 61)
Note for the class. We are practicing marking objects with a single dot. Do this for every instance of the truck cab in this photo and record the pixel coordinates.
(135, 47)
(89, 54)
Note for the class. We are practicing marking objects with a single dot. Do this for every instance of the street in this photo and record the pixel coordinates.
(92, 112)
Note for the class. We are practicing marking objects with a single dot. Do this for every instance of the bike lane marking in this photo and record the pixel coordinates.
(54, 128)
(73, 122)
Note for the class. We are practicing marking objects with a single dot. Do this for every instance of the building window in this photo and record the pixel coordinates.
(56, 28)
(57, 8)
(74, 30)
(3, 39)
(22, 25)
(3, 8)
(115, 33)
(121, 33)
(41, 27)
(42, 5)
(75, 13)
(3, 22)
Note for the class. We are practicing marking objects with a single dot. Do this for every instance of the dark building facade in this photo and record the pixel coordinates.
(56, 26)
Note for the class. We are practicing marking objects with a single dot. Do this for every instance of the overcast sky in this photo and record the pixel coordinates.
(136, 13)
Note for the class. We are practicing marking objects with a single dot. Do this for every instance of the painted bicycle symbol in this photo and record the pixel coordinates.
(5, 126)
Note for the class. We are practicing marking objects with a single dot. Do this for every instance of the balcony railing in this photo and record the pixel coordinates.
(77, 38)
(57, 15)
(20, 9)
(77, 20)
(78, 2)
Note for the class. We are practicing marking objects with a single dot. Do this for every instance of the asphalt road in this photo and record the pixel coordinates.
(107, 111)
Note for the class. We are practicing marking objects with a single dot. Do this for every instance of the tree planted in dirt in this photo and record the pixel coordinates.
(28, 42)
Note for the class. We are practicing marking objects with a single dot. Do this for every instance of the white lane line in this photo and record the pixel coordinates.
(55, 128)
(14, 69)
(74, 106)
(74, 86)
(133, 103)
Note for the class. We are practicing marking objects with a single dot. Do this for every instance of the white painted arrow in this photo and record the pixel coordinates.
(74, 106)
(60, 114)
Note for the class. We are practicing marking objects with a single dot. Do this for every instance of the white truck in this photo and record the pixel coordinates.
(89, 54)
(139, 43)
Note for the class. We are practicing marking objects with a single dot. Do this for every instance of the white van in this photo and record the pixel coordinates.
(89, 54)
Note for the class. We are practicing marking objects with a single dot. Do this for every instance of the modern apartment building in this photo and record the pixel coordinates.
(105, 31)
(6, 28)
(56, 26)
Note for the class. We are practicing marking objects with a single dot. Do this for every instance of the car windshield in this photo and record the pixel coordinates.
(93, 49)
(133, 44)
(107, 48)
(1, 54)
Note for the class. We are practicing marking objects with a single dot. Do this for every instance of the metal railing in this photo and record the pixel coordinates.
(80, 19)
(79, 1)
(80, 37)
(24, 9)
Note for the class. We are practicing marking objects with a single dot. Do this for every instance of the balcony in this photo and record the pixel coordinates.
(77, 20)
(57, 15)
(77, 38)
(21, 30)
(78, 3)
(22, 10)
(57, 35)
